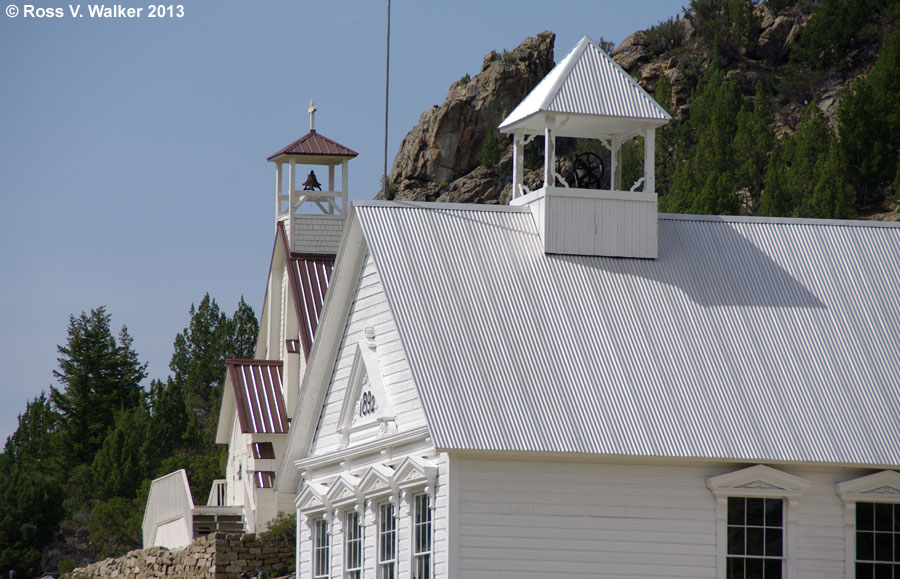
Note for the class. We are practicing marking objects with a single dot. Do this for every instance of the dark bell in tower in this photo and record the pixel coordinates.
(311, 182)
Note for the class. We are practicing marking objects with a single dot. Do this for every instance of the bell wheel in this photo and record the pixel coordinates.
(588, 168)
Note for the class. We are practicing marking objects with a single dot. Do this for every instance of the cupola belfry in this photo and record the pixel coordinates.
(587, 95)
(313, 218)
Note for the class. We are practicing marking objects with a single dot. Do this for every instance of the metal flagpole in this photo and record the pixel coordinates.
(387, 83)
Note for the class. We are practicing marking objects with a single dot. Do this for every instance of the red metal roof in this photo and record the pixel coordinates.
(264, 479)
(308, 276)
(263, 450)
(258, 395)
(312, 143)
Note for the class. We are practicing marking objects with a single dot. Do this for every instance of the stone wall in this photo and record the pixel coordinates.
(214, 556)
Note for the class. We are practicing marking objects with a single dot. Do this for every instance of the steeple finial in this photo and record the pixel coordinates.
(312, 116)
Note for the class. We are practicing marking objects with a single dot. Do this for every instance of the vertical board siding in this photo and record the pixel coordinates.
(541, 519)
(594, 225)
(370, 308)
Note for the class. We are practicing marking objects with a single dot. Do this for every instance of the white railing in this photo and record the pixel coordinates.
(217, 494)
(169, 505)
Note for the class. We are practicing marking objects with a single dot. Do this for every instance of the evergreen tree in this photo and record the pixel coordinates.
(244, 331)
(753, 143)
(869, 126)
(31, 488)
(198, 362)
(704, 183)
(101, 377)
(171, 427)
(804, 178)
(122, 462)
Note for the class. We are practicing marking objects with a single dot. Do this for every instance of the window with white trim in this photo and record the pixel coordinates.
(877, 541)
(321, 550)
(756, 510)
(422, 527)
(353, 546)
(387, 542)
(872, 523)
(755, 538)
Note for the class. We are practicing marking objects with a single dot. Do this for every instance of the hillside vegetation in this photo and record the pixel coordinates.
(75, 475)
(781, 108)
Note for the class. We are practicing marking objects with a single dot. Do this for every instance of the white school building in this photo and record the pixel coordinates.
(572, 385)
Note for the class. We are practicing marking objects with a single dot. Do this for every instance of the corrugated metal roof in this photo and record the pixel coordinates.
(747, 339)
(309, 277)
(258, 395)
(588, 82)
(313, 143)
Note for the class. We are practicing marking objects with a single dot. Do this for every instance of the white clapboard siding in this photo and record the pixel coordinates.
(370, 309)
(562, 519)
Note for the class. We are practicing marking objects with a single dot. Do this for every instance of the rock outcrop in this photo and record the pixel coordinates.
(446, 143)
(439, 160)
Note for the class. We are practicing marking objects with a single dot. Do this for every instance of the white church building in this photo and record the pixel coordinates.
(572, 385)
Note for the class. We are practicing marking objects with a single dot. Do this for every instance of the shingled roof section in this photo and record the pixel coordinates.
(258, 395)
(312, 143)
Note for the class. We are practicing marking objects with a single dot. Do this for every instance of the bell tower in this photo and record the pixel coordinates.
(587, 95)
(313, 218)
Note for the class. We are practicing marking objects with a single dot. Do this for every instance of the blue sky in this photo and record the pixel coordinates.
(133, 167)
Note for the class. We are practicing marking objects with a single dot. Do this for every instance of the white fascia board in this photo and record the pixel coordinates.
(326, 346)
(543, 94)
(279, 258)
(226, 411)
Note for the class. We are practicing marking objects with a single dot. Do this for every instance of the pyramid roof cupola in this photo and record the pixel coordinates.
(589, 96)
(593, 92)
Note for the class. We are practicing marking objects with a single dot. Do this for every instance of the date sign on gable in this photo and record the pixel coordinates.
(367, 404)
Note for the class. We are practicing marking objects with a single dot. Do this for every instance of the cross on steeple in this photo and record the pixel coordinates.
(312, 116)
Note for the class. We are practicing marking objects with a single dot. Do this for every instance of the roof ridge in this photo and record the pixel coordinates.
(439, 205)
(778, 220)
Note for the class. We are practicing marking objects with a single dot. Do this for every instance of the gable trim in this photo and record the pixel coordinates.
(365, 370)
(880, 487)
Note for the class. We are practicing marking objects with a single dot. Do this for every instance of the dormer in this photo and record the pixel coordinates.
(589, 96)
(312, 211)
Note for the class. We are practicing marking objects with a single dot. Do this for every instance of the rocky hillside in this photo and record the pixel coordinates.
(772, 63)
(440, 158)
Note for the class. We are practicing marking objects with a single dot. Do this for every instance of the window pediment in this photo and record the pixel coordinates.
(881, 486)
(415, 471)
(757, 481)
(343, 490)
(312, 498)
(376, 480)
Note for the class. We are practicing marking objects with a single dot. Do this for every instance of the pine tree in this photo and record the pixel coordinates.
(100, 375)
(753, 143)
(122, 461)
(869, 126)
(704, 183)
(804, 177)
(244, 331)
(32, 469)
(198, 362)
